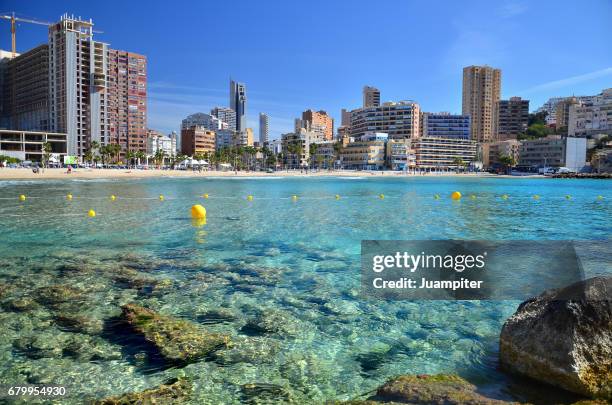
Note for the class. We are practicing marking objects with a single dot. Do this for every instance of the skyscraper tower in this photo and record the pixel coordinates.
(371, 97)
(263, 129)
(481, 92)
(237, 102)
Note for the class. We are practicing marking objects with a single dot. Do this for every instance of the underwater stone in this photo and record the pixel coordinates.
(21, 304)
(445, 389)
(564, 338)
(79, 323)
(57, 294)
(177, 340)
(174, 391)
(272, 321)
(264, 393)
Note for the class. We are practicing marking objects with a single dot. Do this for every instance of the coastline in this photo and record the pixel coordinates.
(55, 174)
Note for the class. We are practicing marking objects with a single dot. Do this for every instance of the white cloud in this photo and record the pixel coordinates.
(569, 81)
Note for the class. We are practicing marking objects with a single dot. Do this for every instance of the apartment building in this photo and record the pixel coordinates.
(445, 125)
(226, 115)
(444, 153)
(24, 89)
(591, 117)
(78, 96)
(207, 121)
(368, 152)
(127, 100)
(481, 92)
(264, 129)
(562, 111)
(553, 151)
(401, 120)
(371, 97)
(492, 151)
(157, 141)
(400, 155)
(511, 118)
(196, 140)
(296, 146)
(318, 121)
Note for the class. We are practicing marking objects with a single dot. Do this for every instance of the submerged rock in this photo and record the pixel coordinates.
(564, 338)
(174, 391)
(444, 389)
(21, 304)
(177, 340)
(79, 323)
(272, 321)
(57, 294)
(261, 393)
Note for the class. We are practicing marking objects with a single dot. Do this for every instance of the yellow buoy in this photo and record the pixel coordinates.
(337, 196)
(536, 197)
(198, 212)
(504, 197)
(436, 196)
(198, 223)
(161, 197)
(568, 197)
(381, 196)
(91, 213)
(473, 196)
(294, 197)
(600, 197)
(113, 197)
(22, 197)
(205, 195)
(69, 197)
(249, 197)
(456, 195)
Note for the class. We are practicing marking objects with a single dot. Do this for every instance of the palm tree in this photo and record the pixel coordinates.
(312, 151)
(46, 150)
(159, 158)
(458, 161)
(140, 155)
(129, 156)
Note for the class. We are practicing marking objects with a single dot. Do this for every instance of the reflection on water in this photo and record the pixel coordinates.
(281, 277)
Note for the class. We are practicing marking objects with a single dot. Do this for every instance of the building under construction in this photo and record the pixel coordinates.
(77, 86)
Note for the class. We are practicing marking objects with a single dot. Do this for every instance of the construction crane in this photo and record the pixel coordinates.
(14, 20)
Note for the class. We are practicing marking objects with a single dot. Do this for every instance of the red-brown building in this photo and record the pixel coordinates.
(319, 121)
(197, 140)
(127, 99)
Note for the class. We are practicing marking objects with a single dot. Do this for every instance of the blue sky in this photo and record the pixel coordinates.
(295, 55)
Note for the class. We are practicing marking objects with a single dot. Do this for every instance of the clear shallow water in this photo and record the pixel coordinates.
(298, 261)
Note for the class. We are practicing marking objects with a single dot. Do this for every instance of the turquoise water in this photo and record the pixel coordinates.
(297, 262)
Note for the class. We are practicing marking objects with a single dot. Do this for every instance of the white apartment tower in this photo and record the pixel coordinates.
(78, 69)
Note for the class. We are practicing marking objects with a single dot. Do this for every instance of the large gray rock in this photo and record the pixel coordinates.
(564, 338)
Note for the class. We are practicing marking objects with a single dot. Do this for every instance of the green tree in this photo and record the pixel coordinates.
(536, 131)
(46, 154)
(458, 161)
(507, 162)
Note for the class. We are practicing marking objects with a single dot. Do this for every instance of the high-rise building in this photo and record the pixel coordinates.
(24, 89)
(445, 125)
(196, 140)
(127, 100)
(562, 110)
(264, 129)
(318, 121)
(77, 86)
(511, 118)
(226, 115)
(78, 68)
(401, 120)
(371, 97)
(345, 118)
(237, 102)
(481, 92)
(207, 121)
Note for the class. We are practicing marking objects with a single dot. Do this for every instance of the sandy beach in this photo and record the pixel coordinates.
(27, 174)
